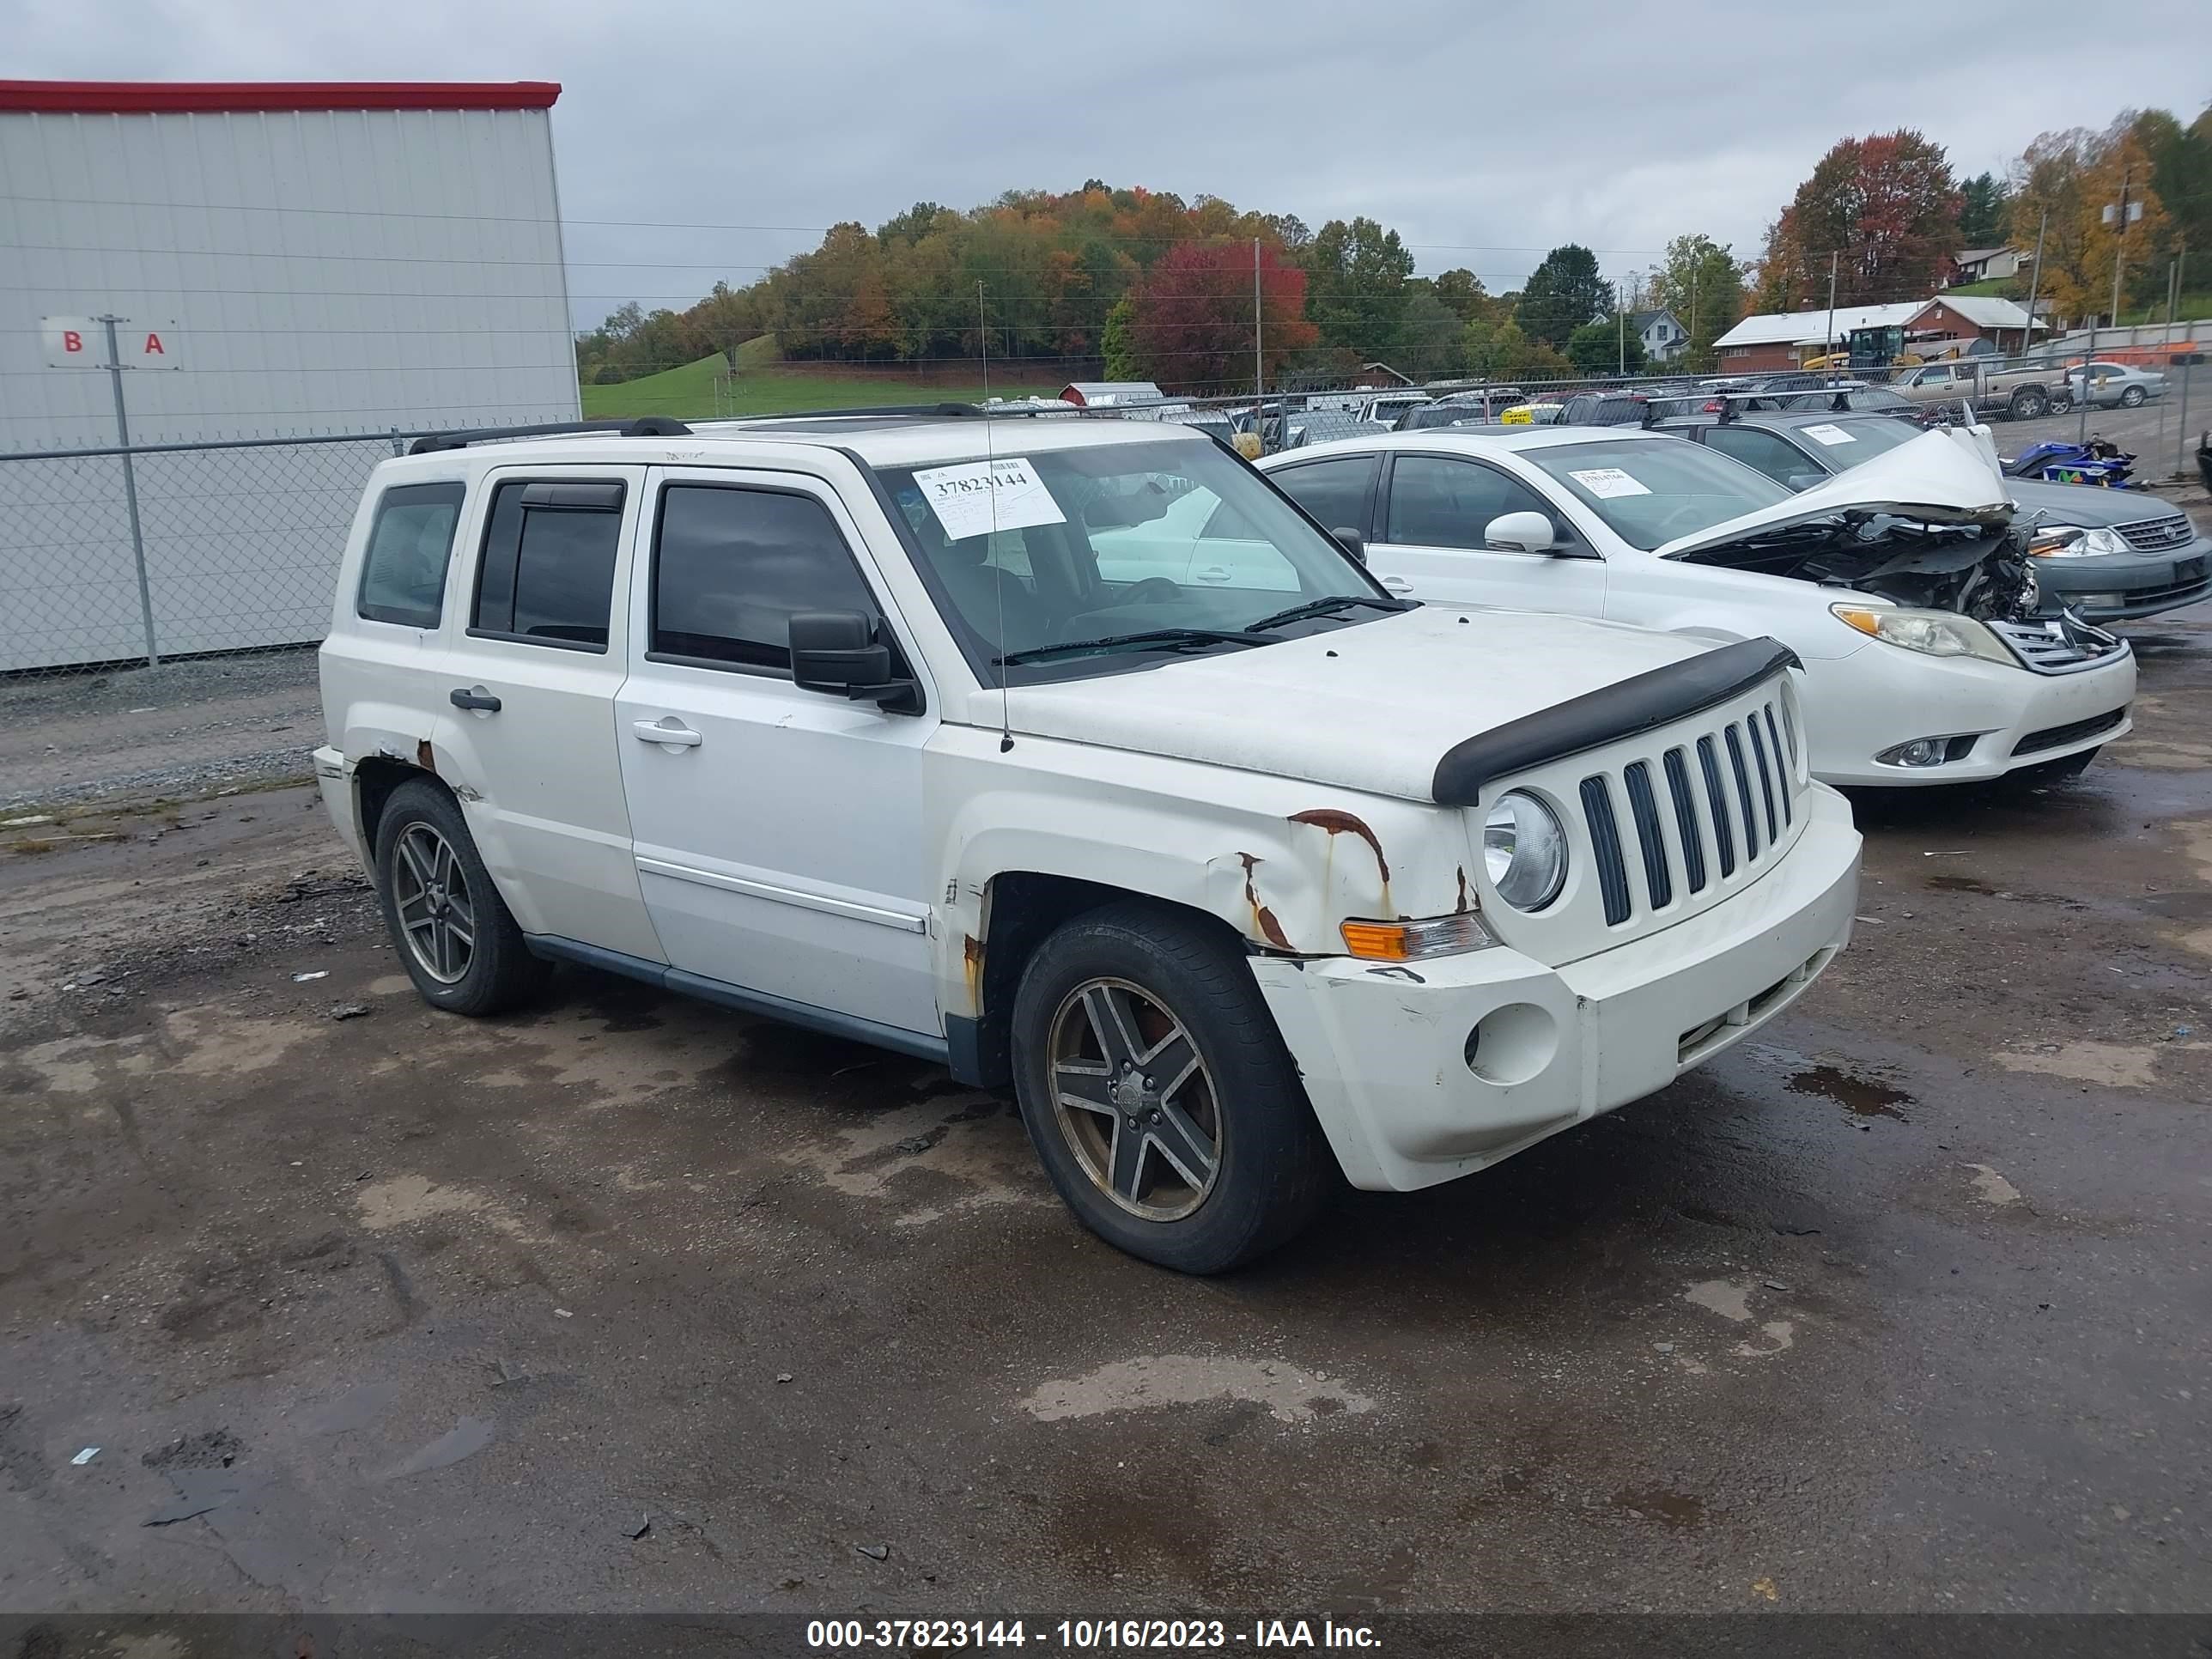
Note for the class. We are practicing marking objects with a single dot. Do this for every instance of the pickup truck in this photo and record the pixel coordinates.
(1990, 386)
(1075, 756)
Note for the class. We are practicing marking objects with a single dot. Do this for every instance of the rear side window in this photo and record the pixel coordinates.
(1438, 502)
(1335, 492)
(732, 566)
(403, 578)
(549, 563)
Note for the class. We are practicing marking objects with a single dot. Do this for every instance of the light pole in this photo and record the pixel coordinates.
(2123, 214)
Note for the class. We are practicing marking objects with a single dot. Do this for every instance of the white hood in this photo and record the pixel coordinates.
(1948, 476)
(1372, 707)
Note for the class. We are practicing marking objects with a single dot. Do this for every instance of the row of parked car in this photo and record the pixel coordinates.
(1369, 817)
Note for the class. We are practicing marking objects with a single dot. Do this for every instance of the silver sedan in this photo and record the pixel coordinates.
(2119, 385)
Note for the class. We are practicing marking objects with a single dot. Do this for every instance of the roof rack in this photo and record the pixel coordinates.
(644, 426)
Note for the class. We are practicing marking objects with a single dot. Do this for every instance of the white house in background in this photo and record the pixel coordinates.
(1947, 322)
(314, 257)
(1661, 332)
(1989, 264)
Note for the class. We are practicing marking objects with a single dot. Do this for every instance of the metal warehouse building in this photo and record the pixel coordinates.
(281, 260)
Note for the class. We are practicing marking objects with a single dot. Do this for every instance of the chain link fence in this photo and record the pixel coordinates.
(119, 556)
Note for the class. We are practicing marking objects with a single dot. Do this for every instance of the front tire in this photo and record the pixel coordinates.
(453, 931)
(1159, 1093)
(2061, 402)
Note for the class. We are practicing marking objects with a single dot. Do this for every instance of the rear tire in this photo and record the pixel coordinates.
(453, 931)
(2028, 404)
(2131, 397)
(1158, 1094)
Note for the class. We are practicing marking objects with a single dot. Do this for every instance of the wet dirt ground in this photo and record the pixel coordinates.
(1904, 1305)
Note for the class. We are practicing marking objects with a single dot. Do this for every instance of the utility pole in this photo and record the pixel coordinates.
(1259, 363)
(131, 492)
(2124, 213)
(1828, 354)
(2035, 282)
(1621, 314)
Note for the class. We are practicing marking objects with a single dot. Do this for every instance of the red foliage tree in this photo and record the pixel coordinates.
(1192, 326)
(1884, 206)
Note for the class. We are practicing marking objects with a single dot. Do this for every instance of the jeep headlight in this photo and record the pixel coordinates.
(1524, 850)
(2067, 541)
(1936, 633)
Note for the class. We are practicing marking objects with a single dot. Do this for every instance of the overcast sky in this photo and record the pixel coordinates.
(1484, 134)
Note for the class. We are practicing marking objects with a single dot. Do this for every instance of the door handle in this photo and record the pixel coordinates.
(474, 697)
(675, 735)
(1398, 584)
(1213, 572)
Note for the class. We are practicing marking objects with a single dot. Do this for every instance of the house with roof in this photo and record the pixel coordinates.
(1987, 265)
(1954, 323)
(1661, 332)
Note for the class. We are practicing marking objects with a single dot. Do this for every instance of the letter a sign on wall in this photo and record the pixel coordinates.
(81, 343)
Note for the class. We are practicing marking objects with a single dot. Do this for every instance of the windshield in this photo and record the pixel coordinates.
(1651, 490)
(1099, 543)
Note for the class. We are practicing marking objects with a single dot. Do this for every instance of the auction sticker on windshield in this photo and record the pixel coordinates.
(1829, 436)
(977, 497)
(1606, 482)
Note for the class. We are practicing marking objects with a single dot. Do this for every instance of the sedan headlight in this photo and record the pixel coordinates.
(2066, 541)
(1524, 850)
(1937, 632)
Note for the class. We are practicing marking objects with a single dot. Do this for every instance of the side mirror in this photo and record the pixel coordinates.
(1518, 532)
(1805, 480)
(837, 651)
(1352, 543)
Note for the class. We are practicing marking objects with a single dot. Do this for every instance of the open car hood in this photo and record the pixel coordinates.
(1947, 475)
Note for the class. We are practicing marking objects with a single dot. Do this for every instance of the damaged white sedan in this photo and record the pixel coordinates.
(1906, 586)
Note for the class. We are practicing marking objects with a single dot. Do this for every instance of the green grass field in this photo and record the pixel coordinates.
(763, 386)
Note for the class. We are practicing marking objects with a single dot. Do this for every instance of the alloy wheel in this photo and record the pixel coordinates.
(1135, 1100)
(430, 895)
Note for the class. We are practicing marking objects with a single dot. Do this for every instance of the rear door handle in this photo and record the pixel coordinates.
(474, 696)
(668, 730)
(1213, 572)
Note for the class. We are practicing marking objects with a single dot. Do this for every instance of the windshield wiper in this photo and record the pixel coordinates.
(1322, 606)
(1160, 636)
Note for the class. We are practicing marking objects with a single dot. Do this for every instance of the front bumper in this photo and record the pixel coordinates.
(2149, 583)
(1384, 1051)
(2009, 712)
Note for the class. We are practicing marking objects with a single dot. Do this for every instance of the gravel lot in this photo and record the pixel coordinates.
(1902, 1306)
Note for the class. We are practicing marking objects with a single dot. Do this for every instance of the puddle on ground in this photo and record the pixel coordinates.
(1960, 885)
(1675, 1509)
(1862, 1097)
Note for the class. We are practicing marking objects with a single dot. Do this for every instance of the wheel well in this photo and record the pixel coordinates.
(1025, 907)
(374, 781)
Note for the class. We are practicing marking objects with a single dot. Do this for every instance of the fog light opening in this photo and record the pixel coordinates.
(1927, 752)
(1512, 1044)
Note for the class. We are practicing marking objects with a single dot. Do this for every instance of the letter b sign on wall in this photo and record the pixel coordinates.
(81, 343)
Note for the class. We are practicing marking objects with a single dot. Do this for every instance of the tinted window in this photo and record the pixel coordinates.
(1436, 502)
(402, 577)
(549, 562)
(1333, 491)
(1778, 459)
(732, 566)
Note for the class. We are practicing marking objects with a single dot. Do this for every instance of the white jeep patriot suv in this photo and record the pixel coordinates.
(1073, 754)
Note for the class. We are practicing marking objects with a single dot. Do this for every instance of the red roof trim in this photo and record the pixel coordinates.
(177, 97)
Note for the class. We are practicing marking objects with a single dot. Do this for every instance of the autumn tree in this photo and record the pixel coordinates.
(1883, 208)
(1562, 293)
(2071, 177)
(1191, 323)
(1118, 343)
(2181, 174)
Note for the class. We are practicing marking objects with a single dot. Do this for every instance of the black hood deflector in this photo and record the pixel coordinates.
(1622, 709)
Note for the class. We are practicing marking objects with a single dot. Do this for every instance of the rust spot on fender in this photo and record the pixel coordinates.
(426, 757)
(1263, 918)
(1338, 823)
(971, 952)
(1465, 904)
